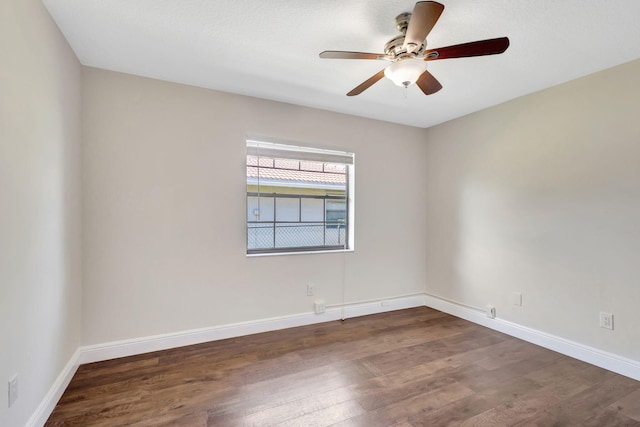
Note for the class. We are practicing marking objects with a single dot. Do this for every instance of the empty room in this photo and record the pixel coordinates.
(329, 213)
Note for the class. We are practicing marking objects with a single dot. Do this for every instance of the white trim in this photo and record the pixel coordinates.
(50, 400)
(594, 356)
(268, 182)
(294, 150)
(327, 251)
(130, 347)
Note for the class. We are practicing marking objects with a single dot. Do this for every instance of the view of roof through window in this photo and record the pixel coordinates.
(296, 204)
(296, 170)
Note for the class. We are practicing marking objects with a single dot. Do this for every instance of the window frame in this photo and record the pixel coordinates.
(299, 153)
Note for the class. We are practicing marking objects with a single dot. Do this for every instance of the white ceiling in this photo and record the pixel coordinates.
(269, 48)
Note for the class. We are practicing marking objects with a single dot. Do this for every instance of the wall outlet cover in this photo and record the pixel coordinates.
(491, 312)
(318, 307)
(606, 320)
(13, 390)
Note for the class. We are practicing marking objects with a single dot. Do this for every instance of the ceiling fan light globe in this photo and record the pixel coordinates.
(405, 72)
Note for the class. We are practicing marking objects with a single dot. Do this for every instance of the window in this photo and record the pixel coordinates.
(298, 198)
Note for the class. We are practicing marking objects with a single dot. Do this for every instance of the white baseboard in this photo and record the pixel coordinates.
(112, 350)
(594, 356)
(44, 410)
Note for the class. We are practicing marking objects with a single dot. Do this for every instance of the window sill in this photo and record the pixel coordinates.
(328, 251)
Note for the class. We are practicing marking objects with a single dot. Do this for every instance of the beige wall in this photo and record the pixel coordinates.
(164, 209)
(40, 295)
(541, 195)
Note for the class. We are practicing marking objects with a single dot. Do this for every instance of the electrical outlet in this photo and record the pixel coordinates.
(13, 390)
(491, 312)
(606, 320)
(318, 307)
(309, 290)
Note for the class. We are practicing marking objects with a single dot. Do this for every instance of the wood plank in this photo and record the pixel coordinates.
(628, 406)
(415, 367)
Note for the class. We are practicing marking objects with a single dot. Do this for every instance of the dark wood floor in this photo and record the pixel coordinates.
(416, 367)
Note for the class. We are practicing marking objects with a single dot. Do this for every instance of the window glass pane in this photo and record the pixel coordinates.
(266, 162)
(287, 209)
(336, 222)
(335, 234)
(261, 212)
(312, 209)
(259, 235)
(335, 168)
(312, 166)
(287, 164)
(336, 212)
(298, 235)
(302, 203)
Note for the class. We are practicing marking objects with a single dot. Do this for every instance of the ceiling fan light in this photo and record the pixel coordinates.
(405, 72)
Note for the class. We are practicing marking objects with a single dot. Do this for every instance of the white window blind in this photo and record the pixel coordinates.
(286, 151)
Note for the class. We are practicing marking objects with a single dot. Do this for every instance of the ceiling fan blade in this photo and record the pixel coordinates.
(428, 84)
(340, 54)
(424, 17)
(366, 84)
(478, 48)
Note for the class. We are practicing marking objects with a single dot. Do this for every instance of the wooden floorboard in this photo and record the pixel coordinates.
(407, 368)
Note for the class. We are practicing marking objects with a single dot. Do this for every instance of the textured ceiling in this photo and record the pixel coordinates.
(269, 49)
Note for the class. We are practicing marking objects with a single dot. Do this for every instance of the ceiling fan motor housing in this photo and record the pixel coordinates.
(402, 22)
(395, 47)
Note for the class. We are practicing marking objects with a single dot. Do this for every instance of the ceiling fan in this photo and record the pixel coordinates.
(408, 54)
